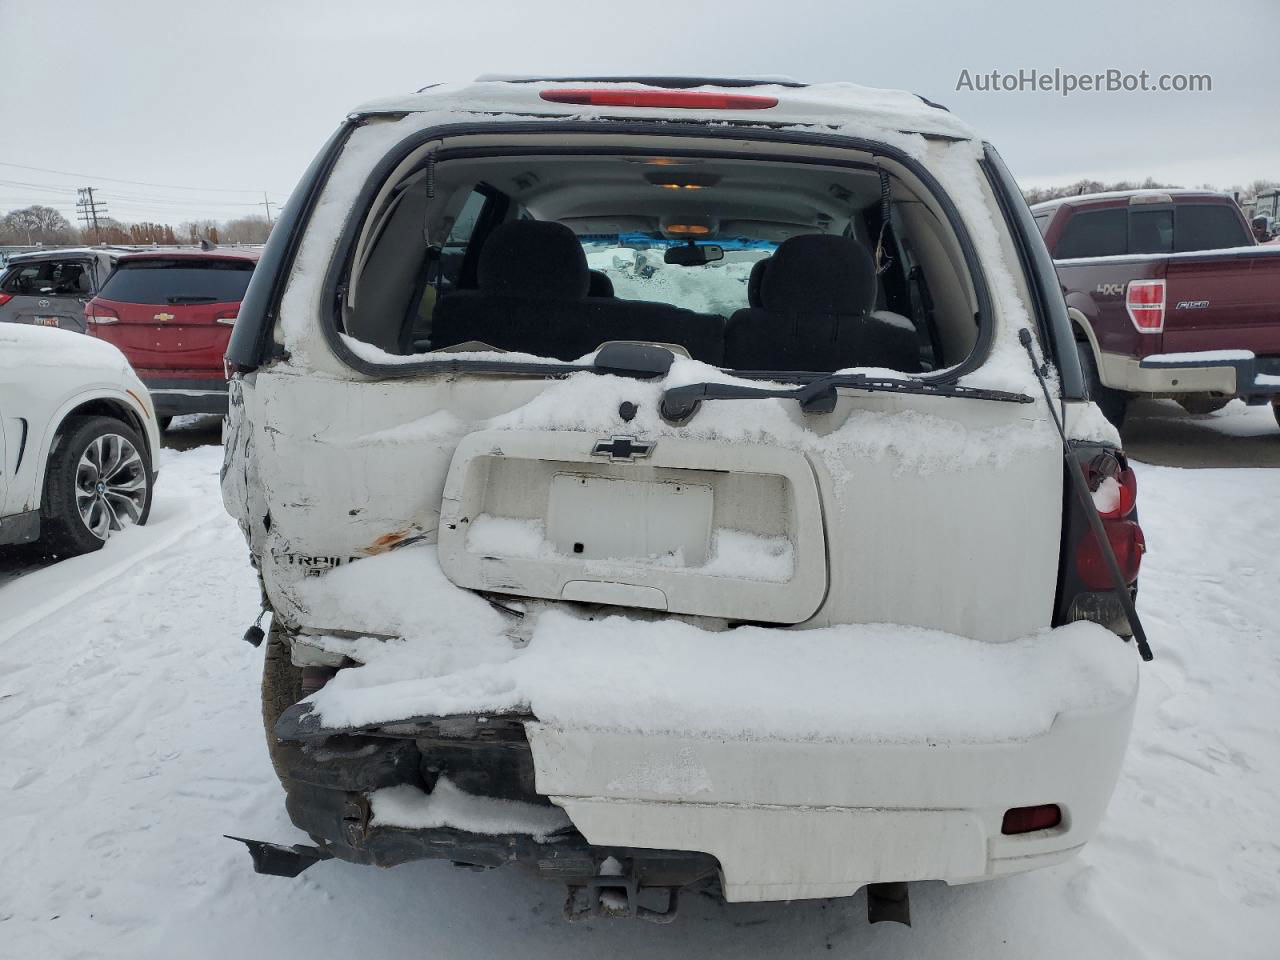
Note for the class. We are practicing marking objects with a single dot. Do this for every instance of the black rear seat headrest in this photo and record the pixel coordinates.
(538, 258)
(754, 279)
(818, 273)
(599, 284)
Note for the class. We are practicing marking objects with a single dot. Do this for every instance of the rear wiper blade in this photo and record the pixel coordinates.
(191, 299)
(819, 396)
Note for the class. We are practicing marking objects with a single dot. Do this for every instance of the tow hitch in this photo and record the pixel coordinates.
(611, 893)
(888, 902)
(277, 860)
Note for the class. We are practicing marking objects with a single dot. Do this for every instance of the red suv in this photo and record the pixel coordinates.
(171, 314)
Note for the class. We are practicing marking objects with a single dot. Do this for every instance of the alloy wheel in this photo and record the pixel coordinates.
(111, 485)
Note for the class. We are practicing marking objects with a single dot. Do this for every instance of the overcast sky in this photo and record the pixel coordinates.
(229, 99)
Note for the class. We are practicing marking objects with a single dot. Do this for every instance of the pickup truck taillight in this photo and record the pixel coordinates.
(1086, 591)
(1144, 299)
(5, 298)
(96, 315)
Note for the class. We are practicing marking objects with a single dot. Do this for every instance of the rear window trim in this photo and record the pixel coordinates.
(339, 264)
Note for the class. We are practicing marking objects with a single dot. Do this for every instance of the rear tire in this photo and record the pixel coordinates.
(281, 689)
(1275, 408)
(98, 481)
(1201, 406)
(1114, 404)
(163, 423)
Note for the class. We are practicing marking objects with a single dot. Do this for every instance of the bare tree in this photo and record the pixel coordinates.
(36, 224)
(1256, 187)
(1040, 194)
(246, 230)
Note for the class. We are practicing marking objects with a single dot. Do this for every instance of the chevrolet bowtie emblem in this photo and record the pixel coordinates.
(623, 448)
(163, 317)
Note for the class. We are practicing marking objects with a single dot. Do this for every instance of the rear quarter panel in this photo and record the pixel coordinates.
(1096, 289)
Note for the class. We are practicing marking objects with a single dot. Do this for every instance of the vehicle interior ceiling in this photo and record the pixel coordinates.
(786, 266)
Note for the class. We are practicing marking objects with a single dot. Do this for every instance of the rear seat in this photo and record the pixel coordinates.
(533, 298)
(814, 312)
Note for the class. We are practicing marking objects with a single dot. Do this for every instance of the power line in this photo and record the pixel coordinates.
(139, 183)
(135, 199)
(160, 201)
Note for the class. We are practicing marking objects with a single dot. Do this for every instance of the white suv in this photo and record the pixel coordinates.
(78, 440)
(762, 569)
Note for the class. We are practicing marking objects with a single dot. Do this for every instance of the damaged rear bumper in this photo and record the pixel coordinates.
(332, 784)
(771, 819)
(826, 819)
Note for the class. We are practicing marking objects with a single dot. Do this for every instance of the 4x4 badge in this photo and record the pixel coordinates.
(623, 448)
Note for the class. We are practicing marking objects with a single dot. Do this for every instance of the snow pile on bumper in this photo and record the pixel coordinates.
(455, 654)
(447, 806)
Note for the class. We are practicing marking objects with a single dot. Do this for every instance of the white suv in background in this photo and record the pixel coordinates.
(78, 440)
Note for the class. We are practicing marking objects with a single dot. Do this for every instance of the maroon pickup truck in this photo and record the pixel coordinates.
(1169, 295)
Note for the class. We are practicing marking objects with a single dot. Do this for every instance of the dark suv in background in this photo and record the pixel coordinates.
(51, 288)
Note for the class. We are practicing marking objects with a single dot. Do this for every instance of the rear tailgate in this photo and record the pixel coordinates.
(178, 340)
(1223, 301)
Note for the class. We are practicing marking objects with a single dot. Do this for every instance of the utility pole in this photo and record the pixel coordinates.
(88, 210)
(267, 203)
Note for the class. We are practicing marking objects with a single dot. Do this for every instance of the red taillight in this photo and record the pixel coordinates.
(1128, 544)
(226, 316)
(5, 298)
(674, 99)
(96, 315)
(1115, 496)
(1144, 299)
(1030, 819)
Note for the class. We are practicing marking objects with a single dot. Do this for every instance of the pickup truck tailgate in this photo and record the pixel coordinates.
(1223, 301)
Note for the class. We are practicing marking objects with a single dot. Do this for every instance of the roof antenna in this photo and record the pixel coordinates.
(886, 206)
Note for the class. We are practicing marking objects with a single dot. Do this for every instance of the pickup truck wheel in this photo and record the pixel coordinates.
(97, 483)
(1114, 404)
(281, 689)
(1200, 406)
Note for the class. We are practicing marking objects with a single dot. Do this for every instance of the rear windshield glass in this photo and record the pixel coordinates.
(178, 281)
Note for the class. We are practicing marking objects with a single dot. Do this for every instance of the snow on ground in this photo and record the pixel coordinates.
(131, 742)
(1238, 420)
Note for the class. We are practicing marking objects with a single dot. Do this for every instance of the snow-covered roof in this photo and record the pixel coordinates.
(216, 253)
(1121, 194)
(63, 252)
(825, 104)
